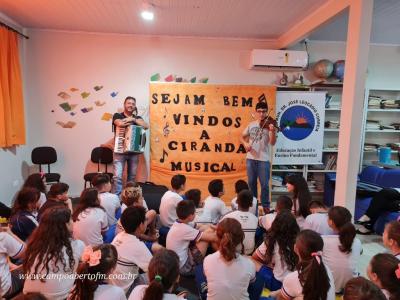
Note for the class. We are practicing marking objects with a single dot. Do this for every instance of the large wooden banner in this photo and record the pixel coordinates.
(195, 130)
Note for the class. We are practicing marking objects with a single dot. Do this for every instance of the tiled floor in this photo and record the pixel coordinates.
(372, 244)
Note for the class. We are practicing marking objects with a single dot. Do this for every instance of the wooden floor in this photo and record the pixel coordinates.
(372, 244)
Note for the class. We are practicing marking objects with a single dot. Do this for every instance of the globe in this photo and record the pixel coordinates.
(338, 69)
(323, 68)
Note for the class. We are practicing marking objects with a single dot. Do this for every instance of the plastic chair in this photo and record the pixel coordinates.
(46, 156)
(100, 155)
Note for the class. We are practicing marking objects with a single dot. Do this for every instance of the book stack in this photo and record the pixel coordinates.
(331, 162)
(373, 125)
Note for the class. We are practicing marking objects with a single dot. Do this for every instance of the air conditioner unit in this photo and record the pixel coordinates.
(279, 60)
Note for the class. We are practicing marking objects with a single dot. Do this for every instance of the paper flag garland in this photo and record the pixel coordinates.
(65, 106)
(193, 79)
(63, 95)
(98, 88)
(155, 77)
(72, 113)
(178, 79)
(203, 80)
(114, 94)
(169, 78)
(73, 89)
(99, 103)
(106, 117)
(86, 109)
(69, 124)
(85, 95)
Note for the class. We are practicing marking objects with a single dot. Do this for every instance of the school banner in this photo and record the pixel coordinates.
(301, 117)
(195, 130)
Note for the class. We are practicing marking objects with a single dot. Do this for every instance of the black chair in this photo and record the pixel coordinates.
(100, 155)
(46, 156)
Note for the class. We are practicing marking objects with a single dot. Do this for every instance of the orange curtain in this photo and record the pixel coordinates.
(12, 124)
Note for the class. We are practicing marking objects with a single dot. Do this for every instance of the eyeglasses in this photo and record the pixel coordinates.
(262, 111)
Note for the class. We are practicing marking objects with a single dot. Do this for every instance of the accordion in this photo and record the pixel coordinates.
(130, 139)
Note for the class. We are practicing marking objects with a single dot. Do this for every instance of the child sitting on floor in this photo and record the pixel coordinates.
(391, 238)
(247, 220)
(189, 243)
(241, 185)
(96, 264)
(214, 207)
(318, 220)
(283, 202)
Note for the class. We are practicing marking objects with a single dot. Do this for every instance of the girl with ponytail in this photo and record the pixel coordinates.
(342, 250)
(97, 263)
(384, 271)
(228, 272)
(163, 276)
(277, 251)
(312, 280)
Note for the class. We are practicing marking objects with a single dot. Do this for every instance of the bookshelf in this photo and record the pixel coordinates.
(381, 124)
(315, 174)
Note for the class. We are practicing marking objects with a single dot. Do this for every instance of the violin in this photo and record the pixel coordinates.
(264, 123)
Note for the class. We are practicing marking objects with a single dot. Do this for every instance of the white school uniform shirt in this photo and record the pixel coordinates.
(342, 265)
(42, 200)
(178, 239)
(228, 280)
(108, 291)
(292, 288)
(90, 224)
(249, 224)
(169, 202)
(214, 208)
(265, 221)
(110, 203)
(319, 223)
(9, 246)
(279, 266)
(132, 255)
(123, 206)
(138, 294)
(56, 288)
(252, 209)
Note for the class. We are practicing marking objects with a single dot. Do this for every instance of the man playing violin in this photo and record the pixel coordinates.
(257, 138)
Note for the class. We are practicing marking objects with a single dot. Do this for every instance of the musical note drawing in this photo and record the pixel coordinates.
(166, 130)
(262, 98)
(164, 154)
(165, 112)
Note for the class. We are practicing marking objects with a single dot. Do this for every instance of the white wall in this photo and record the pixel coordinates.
(13, 161)
(57, 61)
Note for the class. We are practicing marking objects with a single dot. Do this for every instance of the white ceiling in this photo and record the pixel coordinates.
(385, 25)
(250, 19)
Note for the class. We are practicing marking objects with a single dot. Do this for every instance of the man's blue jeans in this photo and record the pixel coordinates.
(119, 163)
(259, 170)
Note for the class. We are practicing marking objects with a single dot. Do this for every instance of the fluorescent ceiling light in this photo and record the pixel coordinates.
(147, 15)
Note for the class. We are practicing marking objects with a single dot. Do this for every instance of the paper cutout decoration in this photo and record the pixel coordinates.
(155, 77)
(63, 95)
(99, 103)
(85, 95)
(178, 79)
(86, 109)
(169, 78)
(107, 117)
(203, 80)
(72, 113)
(69, 124)
(52, 110)
(65, 106)
(114, 94)
(98, 88)
(193, 79)
(73, 89)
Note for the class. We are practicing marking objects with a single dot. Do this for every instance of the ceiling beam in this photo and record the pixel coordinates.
(317, 18)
